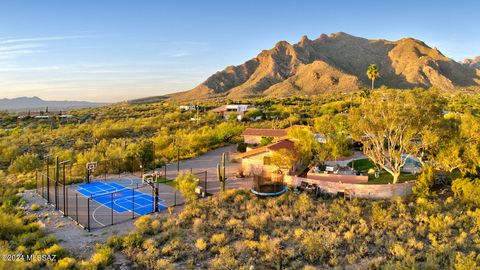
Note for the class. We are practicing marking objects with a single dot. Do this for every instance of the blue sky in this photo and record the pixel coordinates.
(115, 50)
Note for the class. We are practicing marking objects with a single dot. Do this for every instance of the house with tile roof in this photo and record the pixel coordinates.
(258, 160)
(255, 135)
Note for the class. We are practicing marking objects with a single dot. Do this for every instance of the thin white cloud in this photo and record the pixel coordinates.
(181, 54)
(36, 39)
(20, 47)
(17, 53)
(29, 69)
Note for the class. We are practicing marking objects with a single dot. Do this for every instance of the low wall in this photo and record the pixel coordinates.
(378, 191)
(354, 179)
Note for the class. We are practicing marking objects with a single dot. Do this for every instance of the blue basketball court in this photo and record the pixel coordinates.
(120, 198)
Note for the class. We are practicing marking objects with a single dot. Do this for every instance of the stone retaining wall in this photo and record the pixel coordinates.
(372, 191)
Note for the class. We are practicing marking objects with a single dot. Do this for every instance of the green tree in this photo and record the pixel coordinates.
(305, 142)
(334, 130)
(252, 114)
(141, 152)
(373, 73)
(387, 125)
(266, 141)
(27, 162)
(284, 160)
(433, 129)
(187, 183)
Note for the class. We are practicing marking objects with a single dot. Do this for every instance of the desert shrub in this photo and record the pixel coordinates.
(115, 242)
(163, 264)
(143, 224)
(225, 260)
(316, 245)
(65, 264)
(175, 249)
(35, 207)
(102, 258)
(467, 190)
(218, 239)
(200, 244)
(133, 239)
(242, 147)
(425, 182)
(303, 204)
(54, 250)
(467, 262)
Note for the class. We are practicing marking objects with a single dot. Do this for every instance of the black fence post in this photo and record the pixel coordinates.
(206, 177)
(48, 180)
(105, 169)
(64, 196)
(133, 203)
(55, 186)
(56, 182)
(175, 198)
(111, 200)
(66, 202)
(36, 181)
(76, 207)
(43, 185)
(88, 214)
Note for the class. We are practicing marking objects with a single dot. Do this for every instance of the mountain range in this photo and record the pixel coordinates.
(475, 62)
(23, 104)
(336, 63)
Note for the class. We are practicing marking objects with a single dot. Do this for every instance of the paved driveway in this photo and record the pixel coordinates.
(208, 162)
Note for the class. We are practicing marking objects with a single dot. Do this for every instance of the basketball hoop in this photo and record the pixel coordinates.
(148, 178)
(91, 166)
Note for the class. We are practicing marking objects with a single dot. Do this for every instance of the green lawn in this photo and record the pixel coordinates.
(364, 165)
(361, 164)
(171, 183)
(386, 178)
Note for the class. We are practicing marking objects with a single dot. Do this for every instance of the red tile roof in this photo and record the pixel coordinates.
(282, 144)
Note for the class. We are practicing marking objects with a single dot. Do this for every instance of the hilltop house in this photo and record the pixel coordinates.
(258, 160)
(186, 107)
(235, 109)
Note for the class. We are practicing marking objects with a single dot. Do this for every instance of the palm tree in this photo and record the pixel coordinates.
(373, 73)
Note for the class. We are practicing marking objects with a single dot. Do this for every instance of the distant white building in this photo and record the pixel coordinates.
(41, 116)
(238, 109)
(187, 107)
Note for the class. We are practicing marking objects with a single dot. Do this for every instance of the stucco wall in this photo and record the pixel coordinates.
(338, 177)
(252, 139)
(254, 164)
(380, 191)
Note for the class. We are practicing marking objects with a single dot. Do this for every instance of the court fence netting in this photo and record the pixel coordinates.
(108, 197)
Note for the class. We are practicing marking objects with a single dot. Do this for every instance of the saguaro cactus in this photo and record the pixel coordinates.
(221, 173)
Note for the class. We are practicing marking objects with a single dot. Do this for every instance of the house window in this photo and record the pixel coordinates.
(267, 160)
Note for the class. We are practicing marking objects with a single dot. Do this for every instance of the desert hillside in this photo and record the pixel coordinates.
(336, 63)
